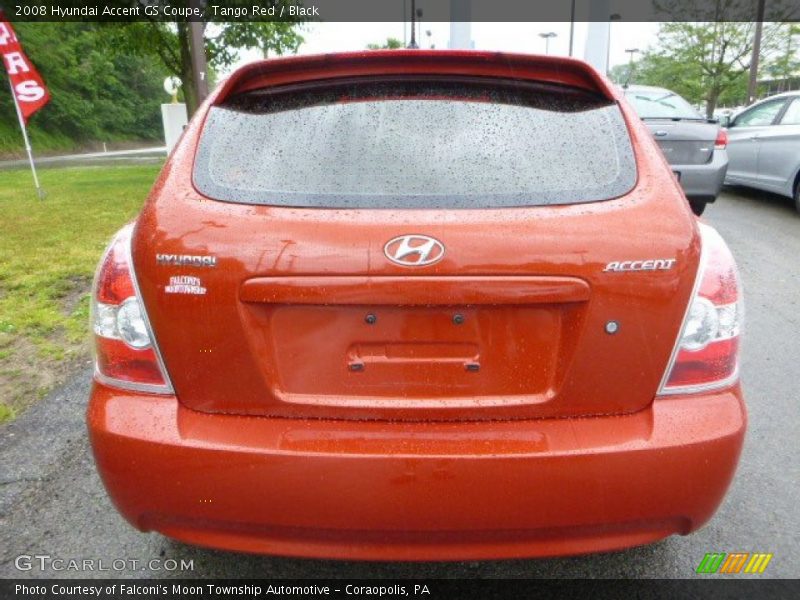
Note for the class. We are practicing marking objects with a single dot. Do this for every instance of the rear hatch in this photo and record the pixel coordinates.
(379, 245)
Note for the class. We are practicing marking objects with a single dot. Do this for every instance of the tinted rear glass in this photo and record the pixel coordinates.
(415, 144)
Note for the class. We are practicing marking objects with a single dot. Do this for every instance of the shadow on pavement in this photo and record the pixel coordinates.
(735, 192)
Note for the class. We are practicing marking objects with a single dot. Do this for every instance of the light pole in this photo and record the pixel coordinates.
(571, 26)
(547, 36)
(752, 84)
(419, 23)
(405, 29)
(631, 52)
(413, 42)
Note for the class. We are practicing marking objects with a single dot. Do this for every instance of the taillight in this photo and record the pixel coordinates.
(706, 355)
(125, 352)
(722, 140)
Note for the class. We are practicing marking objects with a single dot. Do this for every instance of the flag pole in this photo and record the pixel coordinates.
(39, 190)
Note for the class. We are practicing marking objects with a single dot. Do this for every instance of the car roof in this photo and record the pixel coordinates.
(789, 94)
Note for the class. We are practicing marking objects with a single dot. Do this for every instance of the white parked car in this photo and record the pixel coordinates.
(764, 146)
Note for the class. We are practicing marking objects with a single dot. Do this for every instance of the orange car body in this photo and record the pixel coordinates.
(507, 400)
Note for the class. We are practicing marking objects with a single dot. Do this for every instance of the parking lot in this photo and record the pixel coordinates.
(52, 502)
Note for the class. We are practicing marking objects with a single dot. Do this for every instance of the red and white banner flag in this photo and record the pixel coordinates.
(29, 89)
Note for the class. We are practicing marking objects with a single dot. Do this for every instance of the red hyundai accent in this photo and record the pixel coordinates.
(412, 305)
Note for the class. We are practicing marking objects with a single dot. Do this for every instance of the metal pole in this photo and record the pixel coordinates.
(405, 24)
(631, 52)
(39, 190)
(547, 36)
(197, 48)
(753, 82)
(571, 26)
(413, 43)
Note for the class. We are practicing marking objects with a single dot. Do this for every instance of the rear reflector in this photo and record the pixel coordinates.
(125, 351)
(706, 355)
(722, 140)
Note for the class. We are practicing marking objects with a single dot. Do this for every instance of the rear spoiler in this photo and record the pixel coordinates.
(299, 69)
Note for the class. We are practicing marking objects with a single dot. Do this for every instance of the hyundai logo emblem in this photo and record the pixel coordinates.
(414, 250)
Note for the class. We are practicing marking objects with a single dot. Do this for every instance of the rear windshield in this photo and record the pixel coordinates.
(661, 104)
(415, 144)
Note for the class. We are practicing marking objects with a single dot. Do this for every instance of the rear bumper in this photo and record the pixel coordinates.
(416, 491)
(704, 182)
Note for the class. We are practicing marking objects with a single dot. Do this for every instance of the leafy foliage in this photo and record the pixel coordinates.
(169, 43)
(105, 78)
(97, 94)
(390, 44)
(787, 62)
(708, 63)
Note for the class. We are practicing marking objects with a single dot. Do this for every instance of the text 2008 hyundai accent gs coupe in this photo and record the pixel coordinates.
(417, 305)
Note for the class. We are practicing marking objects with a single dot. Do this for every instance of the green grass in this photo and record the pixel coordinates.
(48, 253)
(43, 142)
(46, 142)
(6, 413)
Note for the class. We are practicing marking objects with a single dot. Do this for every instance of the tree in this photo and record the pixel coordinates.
(97, 94)
(624, 73)
(786, 63)
(704, 62)
(169, 43)
(390, 44)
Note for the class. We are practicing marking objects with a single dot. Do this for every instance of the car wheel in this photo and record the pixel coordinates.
(698, 206)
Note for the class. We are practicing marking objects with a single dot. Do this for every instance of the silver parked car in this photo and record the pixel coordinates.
(693, 145)
(764, 146)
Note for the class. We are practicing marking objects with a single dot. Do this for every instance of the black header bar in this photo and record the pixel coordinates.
(396, 10)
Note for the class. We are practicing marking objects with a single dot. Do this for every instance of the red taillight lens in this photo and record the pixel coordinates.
(722, 140)
(125, 353)
(707, 352)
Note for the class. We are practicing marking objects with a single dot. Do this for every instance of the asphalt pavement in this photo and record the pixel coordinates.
(52, 502)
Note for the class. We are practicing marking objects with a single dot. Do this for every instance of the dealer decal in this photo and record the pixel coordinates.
(185, 284)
